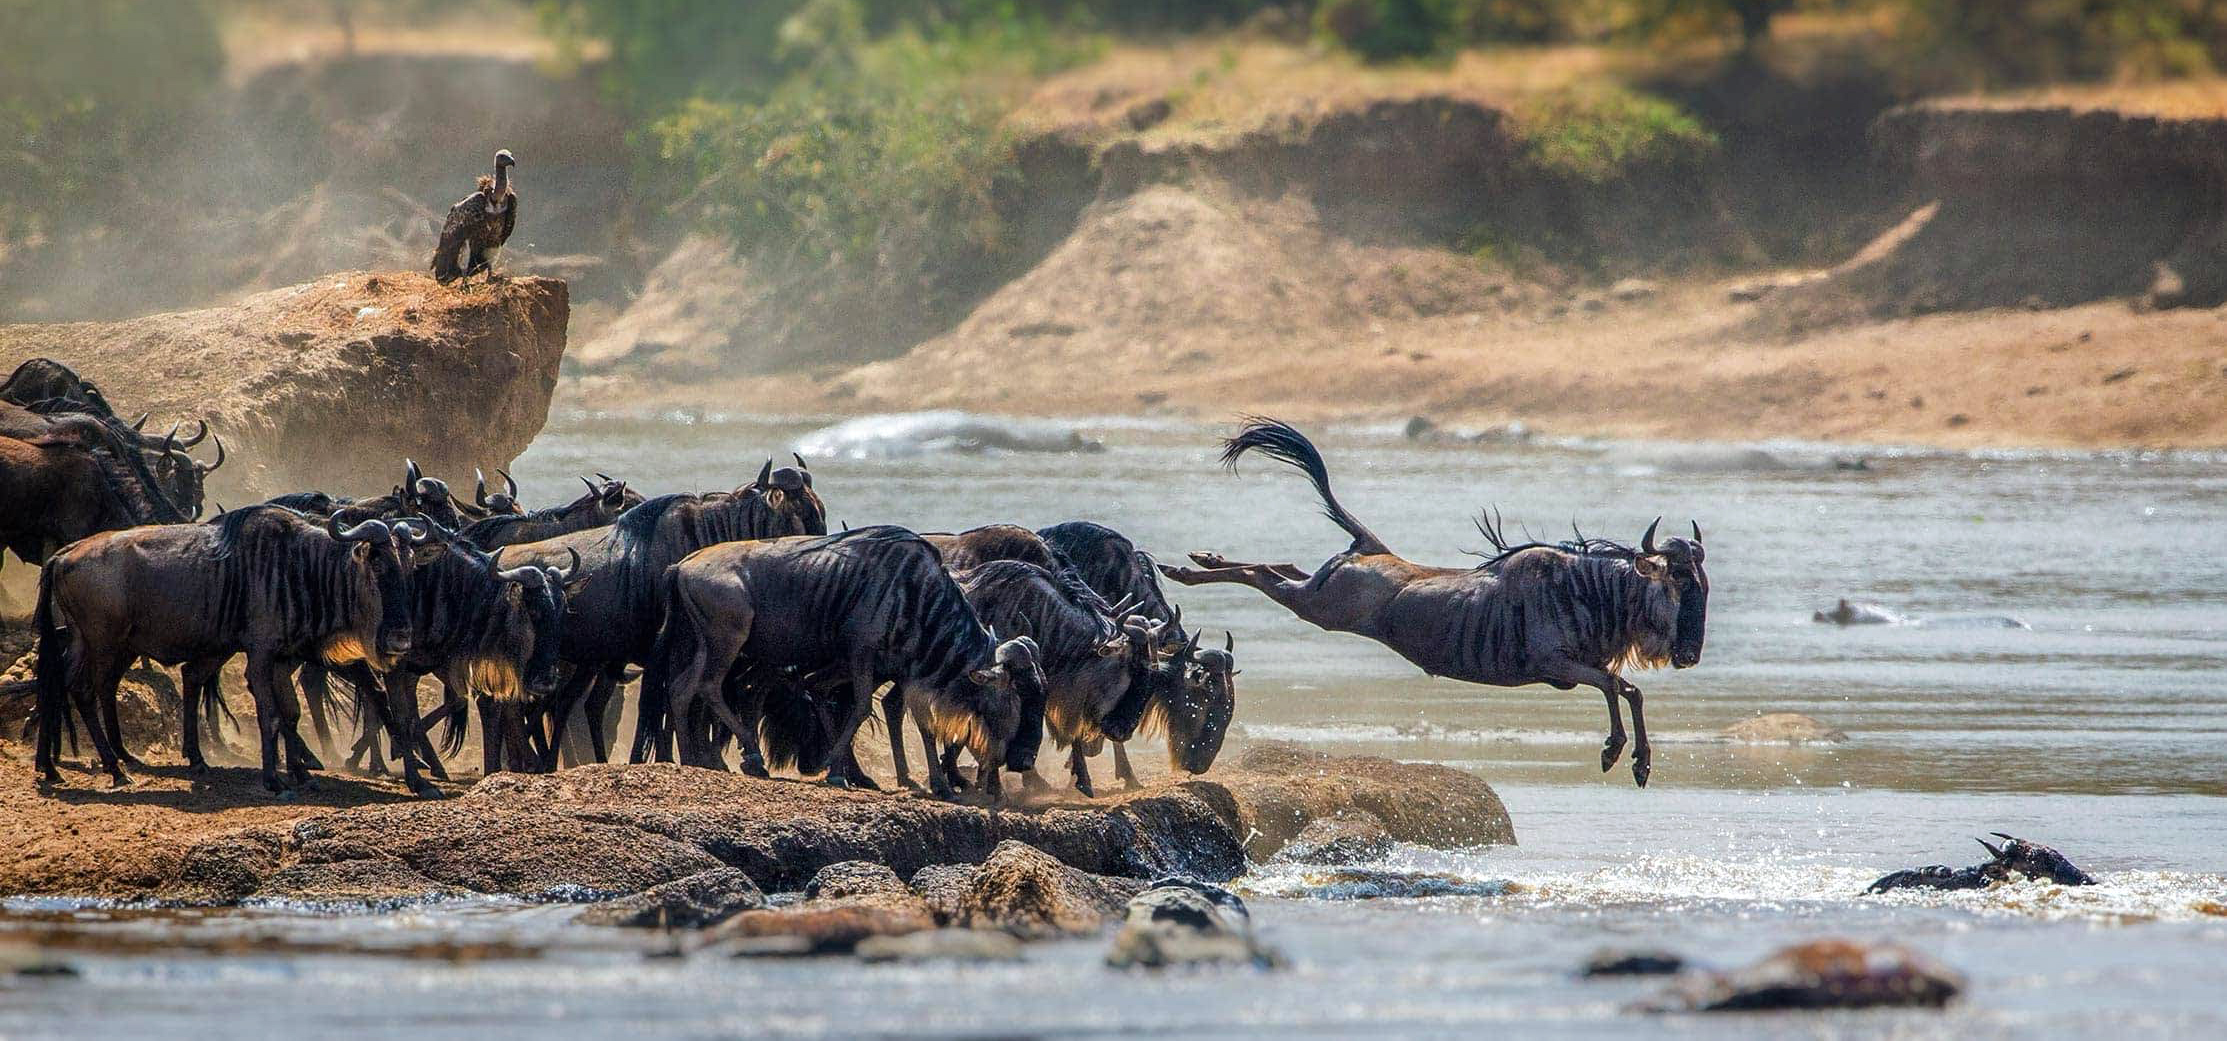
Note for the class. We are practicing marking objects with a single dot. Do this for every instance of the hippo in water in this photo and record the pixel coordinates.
(2014, 857)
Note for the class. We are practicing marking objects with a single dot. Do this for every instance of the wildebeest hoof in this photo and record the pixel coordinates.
(1208, 560)
(1084, 787)
(1610, 753)
(281, 793)
(119, 781)
(1640, 770)
(837, 781)
(754, 768)
(427, 791)
(131, 762)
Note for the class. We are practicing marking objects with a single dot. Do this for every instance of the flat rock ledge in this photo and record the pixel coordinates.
(600, 832)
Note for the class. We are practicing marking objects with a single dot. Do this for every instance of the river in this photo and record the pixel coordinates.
(2099, 726)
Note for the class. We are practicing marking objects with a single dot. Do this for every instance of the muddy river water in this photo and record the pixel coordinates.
(2098, 725)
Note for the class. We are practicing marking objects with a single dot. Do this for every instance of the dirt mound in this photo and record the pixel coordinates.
(330, 383)
(1169, 281)
(2037, 208)
(624, 829)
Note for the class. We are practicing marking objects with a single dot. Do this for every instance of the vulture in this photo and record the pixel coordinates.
(481, 223)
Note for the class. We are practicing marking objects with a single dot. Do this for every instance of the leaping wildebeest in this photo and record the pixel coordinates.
(1573, 613)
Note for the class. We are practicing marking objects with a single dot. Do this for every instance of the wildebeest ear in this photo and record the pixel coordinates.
(1650, 567)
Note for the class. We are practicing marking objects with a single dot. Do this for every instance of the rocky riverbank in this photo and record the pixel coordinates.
(606, 831)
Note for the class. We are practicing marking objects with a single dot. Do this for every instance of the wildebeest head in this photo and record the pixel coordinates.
(1676, 568)
(531, 621)
(383, 588)
(502, 503)
(1197, 712)
(787, 491)
(1013, 710)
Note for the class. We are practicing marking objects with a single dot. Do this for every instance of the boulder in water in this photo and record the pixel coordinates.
(1824, 974)
(1789, 728)
(1615, 961)
(703, 899)
(1179, 922)
(1352, 837)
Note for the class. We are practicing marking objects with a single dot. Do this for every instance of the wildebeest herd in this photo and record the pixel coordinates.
(749, 625)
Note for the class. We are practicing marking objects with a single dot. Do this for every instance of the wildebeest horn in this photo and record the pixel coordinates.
(592, 489)
(141, 422)
(1998, 854)
(170, 440)
(570, 573)
(199, 435)
(1647, 541)
(211, 467)
(1127, 604)
(1696, 530)
(418, 529)
(601, 476)
(510, 485)
(525, 573)
(479, 488)
(800, 463)
(410, 467)
(765, 475)
(1229, 642)
(368, 531)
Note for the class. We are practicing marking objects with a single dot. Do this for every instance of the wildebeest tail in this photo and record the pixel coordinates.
(794, 732)
(1281, 441)
(52, 673)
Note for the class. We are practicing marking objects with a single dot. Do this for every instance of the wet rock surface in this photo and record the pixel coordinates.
(1617, 961)
(702, 899)
(1023, 891)
(1280, 789)
(1824, 974)
(1183, 922)
(1346, 838)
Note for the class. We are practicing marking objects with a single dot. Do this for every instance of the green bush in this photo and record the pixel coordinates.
(1601, 134)
(1383, 30)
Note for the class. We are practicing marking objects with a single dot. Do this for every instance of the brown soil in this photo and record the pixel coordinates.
(331, 383)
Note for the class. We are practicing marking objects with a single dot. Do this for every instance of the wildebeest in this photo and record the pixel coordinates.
(875, 600)
(617, 604)
(969, 549)
(1194, 716)
(602, 504)
(264, 581)
(482, 629)
(417, 496)
(2015, 856)
(1577, 612)
(1100, 670)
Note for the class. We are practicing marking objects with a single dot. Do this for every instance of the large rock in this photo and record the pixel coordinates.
(1344, 838)
(331, 383)
(1182, 923)
(701, 899)
(1025, 892)
(1823, 974)
(1280, 789)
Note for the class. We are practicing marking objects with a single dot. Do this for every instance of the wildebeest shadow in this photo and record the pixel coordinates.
(221, 788)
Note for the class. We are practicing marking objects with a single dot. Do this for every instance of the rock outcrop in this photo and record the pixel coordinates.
(331, 383)
(1281, 789)
(601, 832)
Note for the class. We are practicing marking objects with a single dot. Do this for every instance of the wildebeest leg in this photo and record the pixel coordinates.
(1566, 674)
(559, 711)
(262, 679)
(951, 772)
(1123, 772)
(893, 715)
(401, 719)
(1216, 562)
(1643, 758)
(299, 759)
(939, 775)
(316, 689)
(114, 727)
(94, 702)
(1079, 765)
(717, 643)
(490, 738)
(863, 683)
(193, 675)
(603, 714)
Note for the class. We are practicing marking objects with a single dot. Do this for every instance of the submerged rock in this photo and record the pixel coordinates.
(941, 945)
(1623, 962)
(1824, 974)
(834, 926)
(1023, 891)
(702, 899)
(854, 878)
(1376, 884)
(1178, 922)
(1345, 838)
(1789, 728)
(1858, 612)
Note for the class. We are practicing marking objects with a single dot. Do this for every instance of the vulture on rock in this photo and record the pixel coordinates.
(481, 223)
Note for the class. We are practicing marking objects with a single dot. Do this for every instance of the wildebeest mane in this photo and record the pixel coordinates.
(305, 583)
(1007, 582)
(1492, 527)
